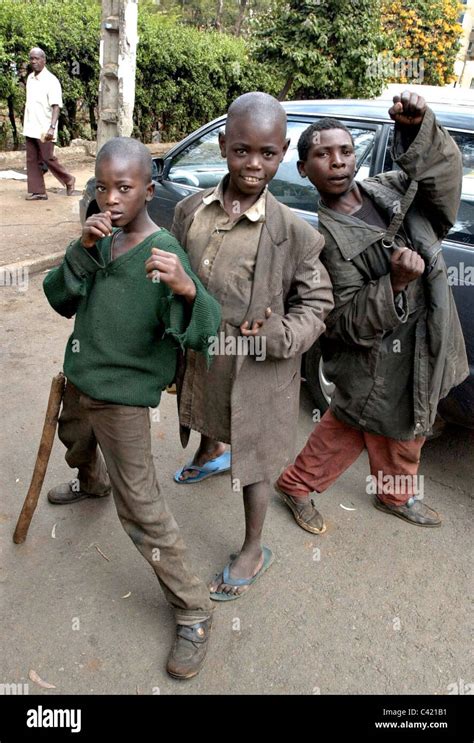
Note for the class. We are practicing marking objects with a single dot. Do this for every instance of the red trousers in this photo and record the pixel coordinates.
(37, 152)
(333, 446)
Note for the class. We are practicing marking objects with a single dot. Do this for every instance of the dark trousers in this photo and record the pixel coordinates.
(37, 152)
(123, 434)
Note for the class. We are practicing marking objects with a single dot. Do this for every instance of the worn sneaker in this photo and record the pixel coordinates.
(189, 649)
(413, 511)
(305, 513)
(67, 493)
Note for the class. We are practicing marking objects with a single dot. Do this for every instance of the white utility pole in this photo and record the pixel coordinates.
(118, 52)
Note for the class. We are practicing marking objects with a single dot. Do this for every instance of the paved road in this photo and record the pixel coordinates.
(373, 606)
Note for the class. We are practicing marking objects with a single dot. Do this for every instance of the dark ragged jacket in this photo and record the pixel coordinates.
(392, 361)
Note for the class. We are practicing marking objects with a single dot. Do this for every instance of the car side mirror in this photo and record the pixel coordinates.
(157, 169)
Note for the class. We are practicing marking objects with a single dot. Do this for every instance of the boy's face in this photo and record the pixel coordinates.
(253, 153)
(122, 189)
(331, 162)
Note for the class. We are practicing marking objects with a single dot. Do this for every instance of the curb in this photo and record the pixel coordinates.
(33, 265)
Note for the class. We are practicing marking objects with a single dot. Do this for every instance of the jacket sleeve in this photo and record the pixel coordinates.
(67, 284)
(193, 325)
(177, 226)
(432, 158)
(363, 310)
(309, 301)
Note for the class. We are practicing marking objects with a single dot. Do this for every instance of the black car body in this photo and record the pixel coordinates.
(196, 163)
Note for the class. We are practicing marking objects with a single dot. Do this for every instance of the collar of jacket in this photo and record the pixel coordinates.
(275, 223)
(351, 235)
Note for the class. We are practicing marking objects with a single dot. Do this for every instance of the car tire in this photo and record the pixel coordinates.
(320, 387)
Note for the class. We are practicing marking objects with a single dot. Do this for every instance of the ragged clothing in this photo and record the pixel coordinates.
(287, 276)
(393, 359)
(128, 330)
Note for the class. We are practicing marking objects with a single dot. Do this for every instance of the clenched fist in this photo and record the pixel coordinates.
(405, 266)
(408, 109)
(166, 267)
(95, 228)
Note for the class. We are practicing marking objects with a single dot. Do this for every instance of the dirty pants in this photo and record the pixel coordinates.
(123, 434)
(333, 446)
(36, 153)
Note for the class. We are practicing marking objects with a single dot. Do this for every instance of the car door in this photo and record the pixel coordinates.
(194, 164)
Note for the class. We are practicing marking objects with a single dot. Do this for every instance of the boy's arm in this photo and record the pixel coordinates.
(429, 155)
(178, 224)
(363, 310)
(190, 321)
(309, 302)
(65, 285)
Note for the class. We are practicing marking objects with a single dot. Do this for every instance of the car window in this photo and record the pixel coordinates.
(298, 193)
(200, 164)
(463, 229)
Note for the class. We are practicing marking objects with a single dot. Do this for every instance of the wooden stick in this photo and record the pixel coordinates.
(42, 458)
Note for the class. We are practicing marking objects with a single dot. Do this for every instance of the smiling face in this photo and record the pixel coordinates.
(122, 189)
(254, 150)
(330, 164)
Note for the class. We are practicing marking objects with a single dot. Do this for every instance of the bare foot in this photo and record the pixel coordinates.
(246, 565)
(202, 456)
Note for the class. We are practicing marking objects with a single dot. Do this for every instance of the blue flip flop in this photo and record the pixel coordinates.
(213, 467)
(268, 558)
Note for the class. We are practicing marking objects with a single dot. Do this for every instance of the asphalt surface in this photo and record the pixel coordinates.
(373, 606)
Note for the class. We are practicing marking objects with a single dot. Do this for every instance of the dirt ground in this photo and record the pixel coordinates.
(373, 606)
(31, 229)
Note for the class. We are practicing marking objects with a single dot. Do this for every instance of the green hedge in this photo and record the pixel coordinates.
(184, 76)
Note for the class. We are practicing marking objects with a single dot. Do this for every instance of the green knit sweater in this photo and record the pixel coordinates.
(128, 329)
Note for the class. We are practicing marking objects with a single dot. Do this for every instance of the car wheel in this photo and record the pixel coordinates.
(320, 387)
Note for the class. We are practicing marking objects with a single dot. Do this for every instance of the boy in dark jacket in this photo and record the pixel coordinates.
(121, 355)
(393, 345)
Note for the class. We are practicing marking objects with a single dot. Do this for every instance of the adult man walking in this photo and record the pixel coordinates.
(43, 101)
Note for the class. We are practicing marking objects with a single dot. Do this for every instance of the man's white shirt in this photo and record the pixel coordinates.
(42, 92)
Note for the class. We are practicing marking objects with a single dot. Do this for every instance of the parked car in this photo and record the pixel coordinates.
(196, 163)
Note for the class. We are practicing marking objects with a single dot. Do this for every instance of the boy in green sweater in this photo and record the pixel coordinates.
(121, 355)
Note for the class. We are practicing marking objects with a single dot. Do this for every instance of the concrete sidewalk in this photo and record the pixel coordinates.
(36, 233)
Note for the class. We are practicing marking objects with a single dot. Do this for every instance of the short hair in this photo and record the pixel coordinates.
(260, 107)
(307, 137)
(38, 50)
(126, 148)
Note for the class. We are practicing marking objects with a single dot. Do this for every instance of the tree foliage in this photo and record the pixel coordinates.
(68, 32)
(324, 49)
(186, 77)
(422, 35)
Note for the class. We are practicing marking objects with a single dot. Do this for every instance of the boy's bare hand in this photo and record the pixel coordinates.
(256, 325)
(166, 267)
(405, 266)
(95, 228)
(408, 109)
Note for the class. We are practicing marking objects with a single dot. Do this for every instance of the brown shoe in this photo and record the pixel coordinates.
(413, 511)
(36, 197)
(306, 515)
(67, 493)
(189, 649)
(70, 186)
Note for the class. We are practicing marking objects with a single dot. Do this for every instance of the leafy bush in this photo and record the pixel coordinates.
(184, 76)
